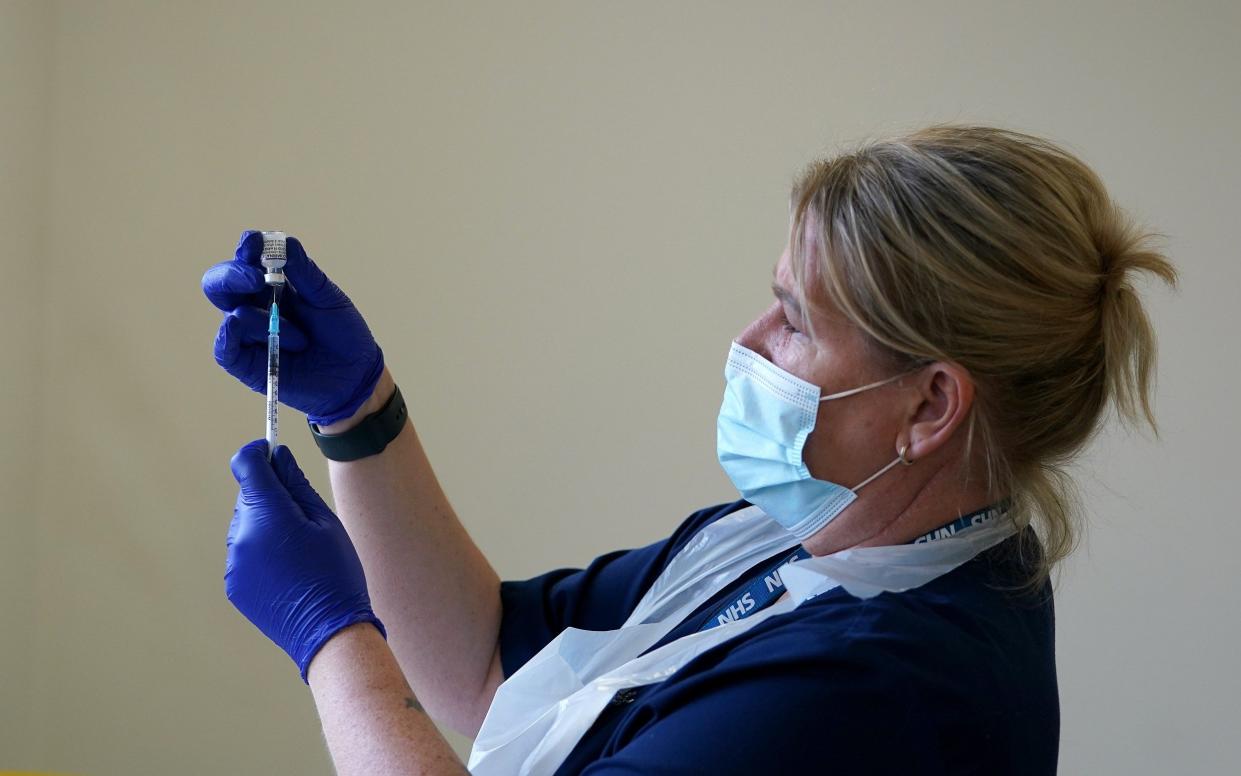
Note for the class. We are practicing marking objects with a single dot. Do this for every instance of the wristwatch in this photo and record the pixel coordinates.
(369, 437)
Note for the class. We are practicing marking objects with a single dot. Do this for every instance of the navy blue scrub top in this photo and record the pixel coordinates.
(955, 677)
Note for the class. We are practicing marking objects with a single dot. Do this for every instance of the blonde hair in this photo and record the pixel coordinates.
(1004, 254)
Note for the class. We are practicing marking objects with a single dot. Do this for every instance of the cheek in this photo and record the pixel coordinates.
(844, 426)
(846, 445)
(794, 353)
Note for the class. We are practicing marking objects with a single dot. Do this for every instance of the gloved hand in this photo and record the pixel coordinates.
(291, 569)
(329, 362)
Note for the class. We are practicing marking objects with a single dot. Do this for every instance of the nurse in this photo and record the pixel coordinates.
(952, 318)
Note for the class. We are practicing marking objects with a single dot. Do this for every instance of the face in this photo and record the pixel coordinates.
(854, 436)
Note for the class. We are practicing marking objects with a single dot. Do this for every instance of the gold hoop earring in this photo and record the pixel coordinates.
(900, 453)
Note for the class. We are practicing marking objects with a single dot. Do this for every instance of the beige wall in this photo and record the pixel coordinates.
(555, 216)
(25, 32)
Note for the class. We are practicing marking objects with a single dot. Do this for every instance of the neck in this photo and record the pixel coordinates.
(889, 512)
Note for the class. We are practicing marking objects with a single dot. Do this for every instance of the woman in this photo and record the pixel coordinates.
(953, 315)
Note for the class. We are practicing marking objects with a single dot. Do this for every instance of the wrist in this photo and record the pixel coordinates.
(375, 402)
(358, 627)
(343, 648)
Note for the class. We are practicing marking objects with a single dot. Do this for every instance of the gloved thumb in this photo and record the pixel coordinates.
(262, 500)
(294, 480)
(253, 472)
(310, 284)
(249, 247)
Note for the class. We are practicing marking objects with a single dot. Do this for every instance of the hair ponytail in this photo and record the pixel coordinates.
(1129, 343)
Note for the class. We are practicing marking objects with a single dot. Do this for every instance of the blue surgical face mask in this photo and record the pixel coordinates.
(763, 425)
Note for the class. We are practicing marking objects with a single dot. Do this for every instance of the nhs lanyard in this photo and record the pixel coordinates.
(768, 586)
(980, 517)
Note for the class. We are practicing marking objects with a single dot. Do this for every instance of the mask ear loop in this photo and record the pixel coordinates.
(900, 458)
(860, 388)
(900, 453)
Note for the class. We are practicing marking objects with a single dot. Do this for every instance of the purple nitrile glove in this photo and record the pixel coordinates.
(329, 361)
(292, 569)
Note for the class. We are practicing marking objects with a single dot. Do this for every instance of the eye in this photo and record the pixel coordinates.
(786, 325)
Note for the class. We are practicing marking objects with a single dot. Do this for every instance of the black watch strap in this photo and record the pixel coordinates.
(369, 437)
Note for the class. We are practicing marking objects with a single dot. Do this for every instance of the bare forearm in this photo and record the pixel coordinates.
(436, 593)
(372, 722)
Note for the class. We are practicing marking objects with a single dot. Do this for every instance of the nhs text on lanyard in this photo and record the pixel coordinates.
(768, 586)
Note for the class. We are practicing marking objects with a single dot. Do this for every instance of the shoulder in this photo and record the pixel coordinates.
(838, 646)
(974, 609)
(963, 639)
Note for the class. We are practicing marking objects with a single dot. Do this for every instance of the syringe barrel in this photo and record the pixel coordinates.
(273, 390)
(273, 375)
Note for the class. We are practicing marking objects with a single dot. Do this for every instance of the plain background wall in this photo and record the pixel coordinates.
(554, 216)
(25, 29)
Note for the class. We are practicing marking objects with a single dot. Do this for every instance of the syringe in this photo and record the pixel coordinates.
(273, 259)
(273, 376)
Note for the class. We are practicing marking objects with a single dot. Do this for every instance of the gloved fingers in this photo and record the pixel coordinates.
(227, 344)
(311, 286)
(289, 473)
(232, 528)
(251, 329)
(231, 284)
(247, 364)
(249, 250)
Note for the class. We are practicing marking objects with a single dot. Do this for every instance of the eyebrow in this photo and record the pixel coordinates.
(787, 298)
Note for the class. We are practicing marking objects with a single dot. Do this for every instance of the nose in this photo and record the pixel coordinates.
(758, 334)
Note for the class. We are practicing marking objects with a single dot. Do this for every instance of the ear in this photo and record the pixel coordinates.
(945, 396)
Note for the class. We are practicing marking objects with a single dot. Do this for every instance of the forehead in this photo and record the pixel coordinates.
(809, 289)
(811, 295)
(810, 240)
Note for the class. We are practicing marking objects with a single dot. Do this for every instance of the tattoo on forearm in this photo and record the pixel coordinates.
(412, 703)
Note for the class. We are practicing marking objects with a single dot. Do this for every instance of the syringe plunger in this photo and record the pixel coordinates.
(273, 257)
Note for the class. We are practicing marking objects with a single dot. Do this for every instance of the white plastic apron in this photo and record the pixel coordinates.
(540, 713)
